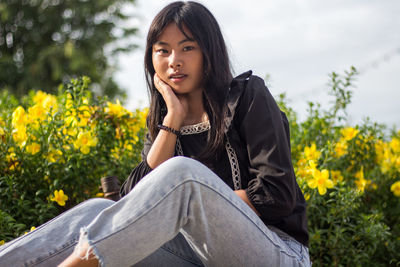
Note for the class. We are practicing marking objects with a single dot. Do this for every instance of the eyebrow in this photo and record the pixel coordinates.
(179, 43)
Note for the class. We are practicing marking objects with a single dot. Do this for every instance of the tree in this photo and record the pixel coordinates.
(47, 42)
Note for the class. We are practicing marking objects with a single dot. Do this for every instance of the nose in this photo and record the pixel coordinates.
(175, 60)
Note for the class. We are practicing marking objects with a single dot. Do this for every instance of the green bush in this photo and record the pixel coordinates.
(55, 149)
(351, 180)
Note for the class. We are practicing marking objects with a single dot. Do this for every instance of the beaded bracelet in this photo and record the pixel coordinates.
(169, 129)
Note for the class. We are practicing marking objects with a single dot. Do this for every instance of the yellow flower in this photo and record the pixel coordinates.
(14, 166)
(71, 121)
(395, 145)
(118, 133)
(2, 134)
(305, 168)
(336, 176)
(301, 172)
(12, 159)
(50, 104)
(19, 136)
(2, 242)
(115, 153)
(54, 155)
(340, 148)
(84, 141)
(320, 180)
(70, 131)
(69, 103)
(307, 196)
(32, 228)
(311, 168)
(379, 150)
(397, 163)
(349, 133)
(312, 153)
(19, 117)
(84, 114)
(46, 101)
(361, 182)
(36, 113)
(33, 148)
(395, 188)
(117, 109)
(59, 197)
(129, 147)
(39, 97)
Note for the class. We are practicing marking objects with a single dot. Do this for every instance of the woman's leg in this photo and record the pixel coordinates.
(52, 242)
(182, 195)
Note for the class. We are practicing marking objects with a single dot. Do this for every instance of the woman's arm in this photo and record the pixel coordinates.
(163, 147)
(272, 188)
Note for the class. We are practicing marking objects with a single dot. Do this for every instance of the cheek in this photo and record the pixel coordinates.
(156, 63)
(160, 66)
(200, 64)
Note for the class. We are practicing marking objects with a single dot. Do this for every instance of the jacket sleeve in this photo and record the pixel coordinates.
(141, 170)
(272, 187)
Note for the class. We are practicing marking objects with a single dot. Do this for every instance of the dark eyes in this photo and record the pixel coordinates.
(165, 51)
(188, 48)
(162, 51)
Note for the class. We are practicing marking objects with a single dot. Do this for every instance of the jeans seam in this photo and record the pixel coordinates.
(63, 248)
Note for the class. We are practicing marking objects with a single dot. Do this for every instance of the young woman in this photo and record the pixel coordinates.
(232, 200)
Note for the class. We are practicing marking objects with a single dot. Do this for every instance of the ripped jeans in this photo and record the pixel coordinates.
(180, 214)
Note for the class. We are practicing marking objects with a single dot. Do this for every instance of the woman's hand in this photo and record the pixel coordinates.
(177, 105)
(163, 146)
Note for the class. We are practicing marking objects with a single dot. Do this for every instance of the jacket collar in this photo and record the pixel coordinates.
(236, 89)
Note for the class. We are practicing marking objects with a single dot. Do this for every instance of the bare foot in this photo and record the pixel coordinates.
(79, 260)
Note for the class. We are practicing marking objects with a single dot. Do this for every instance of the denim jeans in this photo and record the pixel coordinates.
(180, 214)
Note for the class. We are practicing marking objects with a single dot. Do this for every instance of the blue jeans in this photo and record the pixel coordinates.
(180, 214)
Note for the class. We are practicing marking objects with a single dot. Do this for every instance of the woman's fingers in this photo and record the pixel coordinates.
(160, 84)
(165, 90)
(177, 104)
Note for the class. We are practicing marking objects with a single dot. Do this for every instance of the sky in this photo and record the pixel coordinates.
(297, 43)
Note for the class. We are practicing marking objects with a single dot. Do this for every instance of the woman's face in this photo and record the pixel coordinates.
(178, 60)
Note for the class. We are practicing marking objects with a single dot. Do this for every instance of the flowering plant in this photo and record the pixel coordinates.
(55, 148)
(350, 176)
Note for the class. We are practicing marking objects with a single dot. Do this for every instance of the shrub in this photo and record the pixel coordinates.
(55, 149)
(350, 177)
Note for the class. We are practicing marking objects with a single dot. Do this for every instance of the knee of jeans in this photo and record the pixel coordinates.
(181, 168)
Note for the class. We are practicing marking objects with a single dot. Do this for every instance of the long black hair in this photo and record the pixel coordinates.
(217, 71)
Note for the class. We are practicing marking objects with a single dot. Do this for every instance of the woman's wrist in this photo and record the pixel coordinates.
(172, 122)
(169, 129)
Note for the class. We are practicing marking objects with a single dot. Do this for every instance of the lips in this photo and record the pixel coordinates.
(177, 77)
